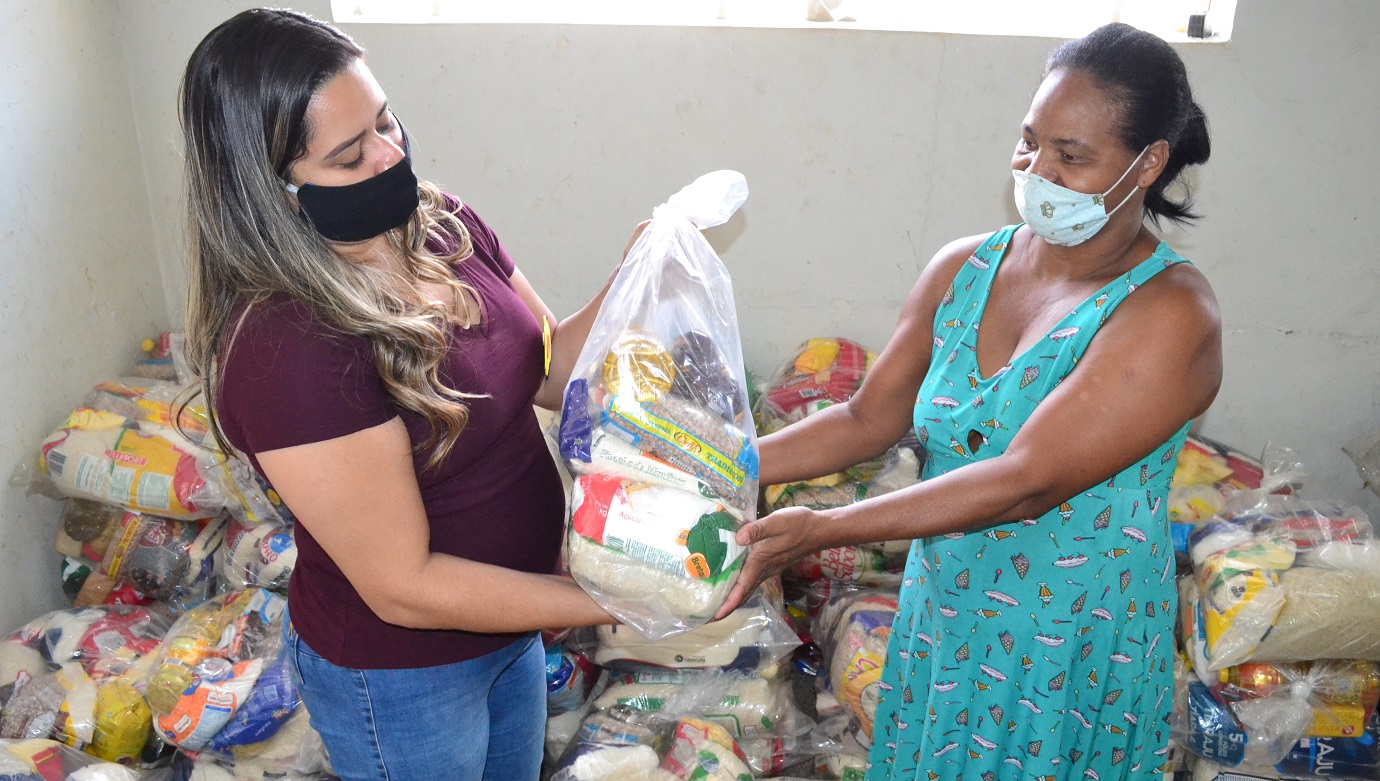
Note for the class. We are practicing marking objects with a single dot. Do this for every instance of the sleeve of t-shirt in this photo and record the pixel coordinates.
(487, 247)
(288, 380)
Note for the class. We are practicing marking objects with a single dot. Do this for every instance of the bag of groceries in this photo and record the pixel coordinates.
(656, 428)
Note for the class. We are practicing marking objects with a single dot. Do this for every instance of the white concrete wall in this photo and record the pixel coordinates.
(865, 152)
(79, 282)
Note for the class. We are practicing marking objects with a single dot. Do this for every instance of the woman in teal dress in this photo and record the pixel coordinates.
(1034, 638)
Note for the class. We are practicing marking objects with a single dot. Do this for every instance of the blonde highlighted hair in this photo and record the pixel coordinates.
(243, 106)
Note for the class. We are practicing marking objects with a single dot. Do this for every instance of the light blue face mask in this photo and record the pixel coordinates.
(1062, 216)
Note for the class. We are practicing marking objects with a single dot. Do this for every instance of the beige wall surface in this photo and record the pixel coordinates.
(865, 153)
(79, 281)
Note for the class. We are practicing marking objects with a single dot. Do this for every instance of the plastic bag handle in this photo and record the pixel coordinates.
(708, 201)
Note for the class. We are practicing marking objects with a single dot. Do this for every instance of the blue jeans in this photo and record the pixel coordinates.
(483, 718)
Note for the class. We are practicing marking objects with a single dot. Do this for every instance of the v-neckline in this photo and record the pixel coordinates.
(987, 296)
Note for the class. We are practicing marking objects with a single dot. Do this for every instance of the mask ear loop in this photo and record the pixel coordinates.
(1122, 179)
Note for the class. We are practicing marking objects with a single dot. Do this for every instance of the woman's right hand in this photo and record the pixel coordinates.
(774, 543)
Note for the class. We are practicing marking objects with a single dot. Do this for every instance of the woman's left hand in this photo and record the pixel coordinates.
(774, 543)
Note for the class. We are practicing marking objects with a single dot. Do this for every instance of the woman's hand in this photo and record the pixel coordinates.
(641, 226)
(775, 542)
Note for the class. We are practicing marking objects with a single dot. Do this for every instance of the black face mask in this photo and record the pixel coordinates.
(363, 210)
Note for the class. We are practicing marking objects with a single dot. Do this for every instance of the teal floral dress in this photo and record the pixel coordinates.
(1042, 648)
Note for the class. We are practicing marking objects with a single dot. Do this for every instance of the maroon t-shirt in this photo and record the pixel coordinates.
(289, 379)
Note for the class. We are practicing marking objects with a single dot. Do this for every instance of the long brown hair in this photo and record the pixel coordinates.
(243, 106)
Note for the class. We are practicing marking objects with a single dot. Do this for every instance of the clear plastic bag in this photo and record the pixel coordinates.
(622, 741)
(753, 638)
(294, 752)
(131, 445)
(1206, 472)
(660, 384)
(259, 555)
(748, 706)
(770, 756)
(819, 373)
(1215, 733)
(702, 751)
(853, 629)
(1284, 578)
(72, 675)
(209, 663)
(869, 565)
(1365, 453)
(86, 529)
(1274, 729)
(1341, 695)
(137, 444)
(174, 562)
(117, 556)
(272, 701)
(47, 760)
(622, 744)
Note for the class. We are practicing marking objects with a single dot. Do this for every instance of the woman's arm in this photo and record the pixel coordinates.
(568, 336)
(1156, 365)
(880, 412)
(358, 497)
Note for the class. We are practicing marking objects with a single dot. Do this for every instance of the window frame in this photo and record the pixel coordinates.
(1028, 18)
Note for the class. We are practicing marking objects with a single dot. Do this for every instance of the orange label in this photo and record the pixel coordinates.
(686, 442)
(683, 537)
(697, 565)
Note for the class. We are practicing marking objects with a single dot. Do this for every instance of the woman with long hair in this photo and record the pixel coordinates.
(364, 340)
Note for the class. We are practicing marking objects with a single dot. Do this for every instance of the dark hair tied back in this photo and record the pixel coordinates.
(1146, 79)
